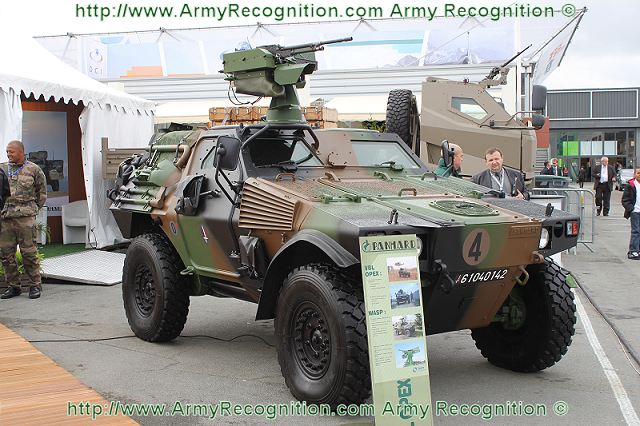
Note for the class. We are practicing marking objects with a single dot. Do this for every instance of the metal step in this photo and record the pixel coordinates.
(95, 267)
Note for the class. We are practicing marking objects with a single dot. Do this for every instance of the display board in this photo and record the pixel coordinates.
(395, 330)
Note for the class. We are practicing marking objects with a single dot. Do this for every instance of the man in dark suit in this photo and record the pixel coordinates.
(553, 169)
(511, 182)
(603, 178)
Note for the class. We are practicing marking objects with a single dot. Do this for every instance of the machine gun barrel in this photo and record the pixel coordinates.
(287, 51)
(494, 72)
(317, 44)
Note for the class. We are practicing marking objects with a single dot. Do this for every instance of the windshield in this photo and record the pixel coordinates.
(382, 153)
(271, 151)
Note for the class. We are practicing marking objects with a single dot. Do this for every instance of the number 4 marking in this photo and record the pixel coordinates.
(474, 250)
(476, 247)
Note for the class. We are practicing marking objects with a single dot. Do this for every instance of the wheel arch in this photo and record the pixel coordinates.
(133, 224)
(308, 246)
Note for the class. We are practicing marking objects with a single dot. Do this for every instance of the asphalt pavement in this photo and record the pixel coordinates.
(597, 382)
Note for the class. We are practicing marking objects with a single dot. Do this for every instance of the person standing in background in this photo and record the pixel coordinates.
(582, 175)
(509, 182)
(553, 168)
(545, 168)
(631, 204)
(456, 165)
(28, 188)
(604, 176)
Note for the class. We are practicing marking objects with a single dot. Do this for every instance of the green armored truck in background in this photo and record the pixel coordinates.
(272, 213)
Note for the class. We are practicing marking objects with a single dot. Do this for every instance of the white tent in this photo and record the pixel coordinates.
(26, 67)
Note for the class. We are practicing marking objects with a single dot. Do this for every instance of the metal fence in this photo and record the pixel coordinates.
(578, 201)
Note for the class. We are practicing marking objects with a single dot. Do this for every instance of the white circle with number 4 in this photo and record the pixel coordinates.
(476, 246)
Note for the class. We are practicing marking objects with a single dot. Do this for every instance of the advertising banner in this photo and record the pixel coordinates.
(395, 329)
(552, 54)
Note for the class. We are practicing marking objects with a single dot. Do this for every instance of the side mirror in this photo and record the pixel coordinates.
(538, 98)
(228, 152)
(538, 121)
(447, 153)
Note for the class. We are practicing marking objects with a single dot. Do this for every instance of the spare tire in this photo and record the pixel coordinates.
(403, 118)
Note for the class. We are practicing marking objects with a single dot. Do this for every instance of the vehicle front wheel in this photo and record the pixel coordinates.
(321, 336)
(536, 325)
(155, 295)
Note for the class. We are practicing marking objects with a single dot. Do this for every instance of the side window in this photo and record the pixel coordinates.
(468, 106)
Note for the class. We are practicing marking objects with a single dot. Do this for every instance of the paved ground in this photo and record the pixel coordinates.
(201, 370)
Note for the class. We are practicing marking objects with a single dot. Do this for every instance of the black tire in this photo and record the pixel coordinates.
(321, 336)
(548, 326)
(155, 295)
(403, 118)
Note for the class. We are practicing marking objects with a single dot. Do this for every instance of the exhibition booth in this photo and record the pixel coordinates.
(61, 115)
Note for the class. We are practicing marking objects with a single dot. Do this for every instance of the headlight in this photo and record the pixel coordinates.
(544, 238)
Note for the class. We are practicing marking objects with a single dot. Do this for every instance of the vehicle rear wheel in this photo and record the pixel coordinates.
(321, 336)
(403, 118)
(538, 323)
(155, 295)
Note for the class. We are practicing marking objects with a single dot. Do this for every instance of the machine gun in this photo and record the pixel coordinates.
(502, 70)
(288, 53)
(408, 355)
(275, 71)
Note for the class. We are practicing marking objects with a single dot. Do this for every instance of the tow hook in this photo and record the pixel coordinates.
(443, 280)
(523, 278)
(189, 270)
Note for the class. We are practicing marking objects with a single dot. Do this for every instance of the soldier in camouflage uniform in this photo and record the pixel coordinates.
(28, 193)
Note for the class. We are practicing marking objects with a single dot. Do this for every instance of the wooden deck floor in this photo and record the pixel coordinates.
(34, 390)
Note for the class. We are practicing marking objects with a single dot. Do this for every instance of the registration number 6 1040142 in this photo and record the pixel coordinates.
(481, 276)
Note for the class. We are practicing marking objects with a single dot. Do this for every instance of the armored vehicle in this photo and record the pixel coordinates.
(403, 328)
(273, 213)
(466, 114)
(402, 297)
(404, 273)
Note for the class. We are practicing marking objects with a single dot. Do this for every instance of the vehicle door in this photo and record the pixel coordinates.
(210, 234)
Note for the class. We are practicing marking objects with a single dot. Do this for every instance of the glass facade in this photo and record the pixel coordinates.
(584, 148)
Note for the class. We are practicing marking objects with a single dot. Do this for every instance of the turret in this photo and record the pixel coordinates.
(275, 71)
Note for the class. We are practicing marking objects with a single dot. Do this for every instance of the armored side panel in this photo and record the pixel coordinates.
(467, 115)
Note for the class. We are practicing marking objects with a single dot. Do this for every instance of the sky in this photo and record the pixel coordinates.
(603, 54)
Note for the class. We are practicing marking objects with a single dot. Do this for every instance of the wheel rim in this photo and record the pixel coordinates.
(311, 340)
(145, 291)
(516, 315)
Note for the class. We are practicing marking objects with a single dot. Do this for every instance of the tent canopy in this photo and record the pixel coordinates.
(126, 120)
(28, 67)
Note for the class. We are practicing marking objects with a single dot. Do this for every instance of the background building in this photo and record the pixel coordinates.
(587, 124)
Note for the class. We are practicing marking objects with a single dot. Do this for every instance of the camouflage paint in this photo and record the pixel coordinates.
(346, 200)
